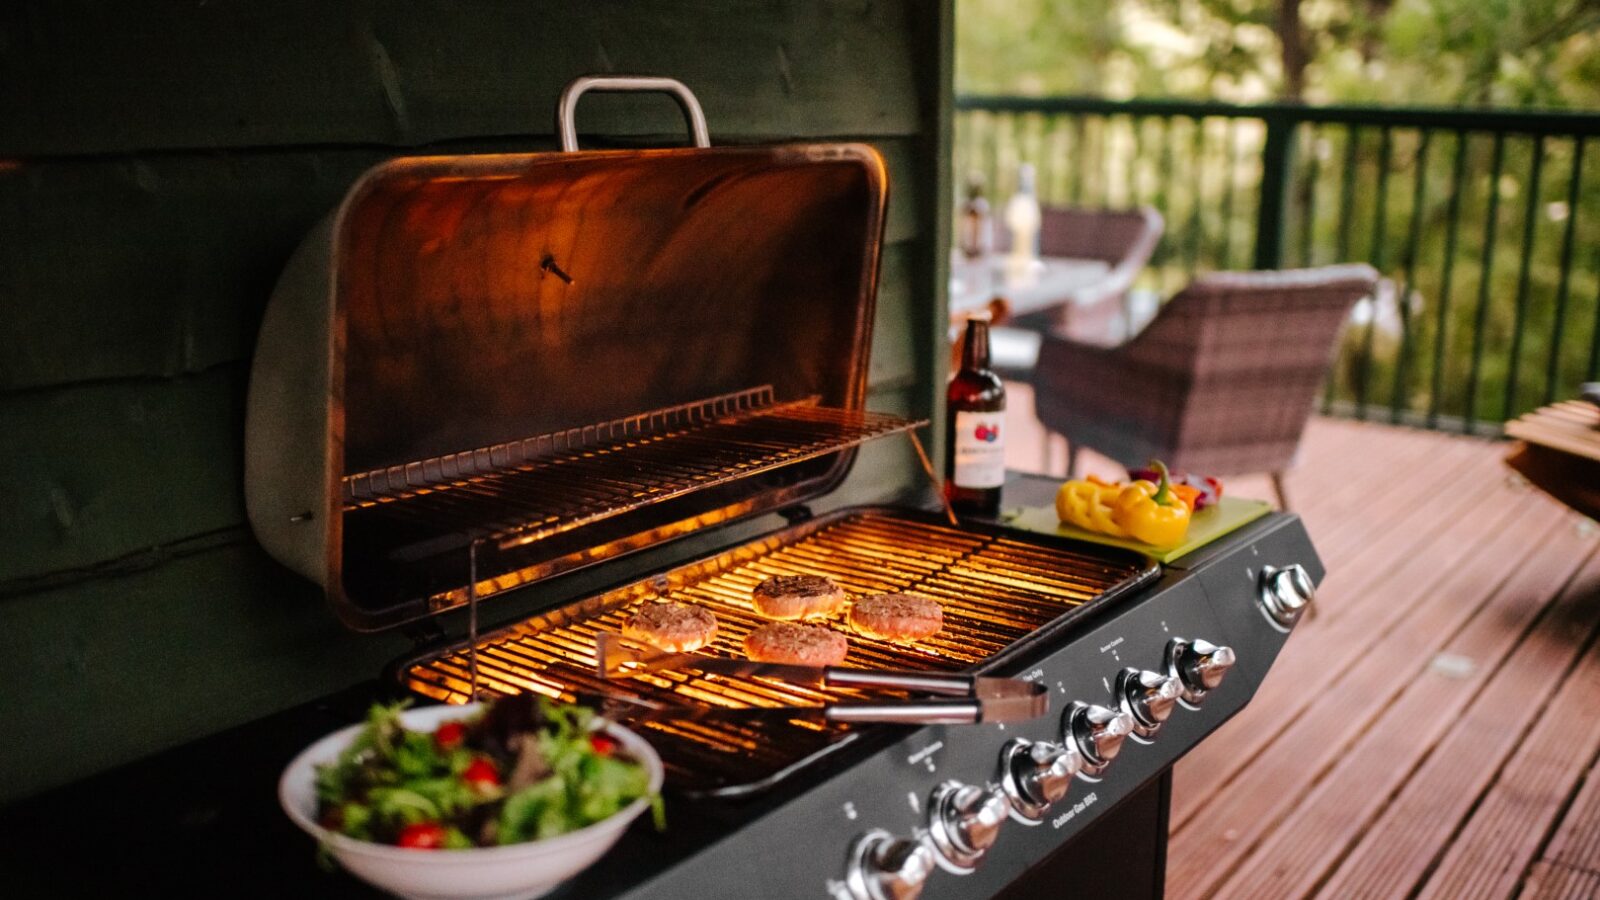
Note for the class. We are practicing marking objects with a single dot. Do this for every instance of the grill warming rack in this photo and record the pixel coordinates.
(1003, 593)
(516, 493)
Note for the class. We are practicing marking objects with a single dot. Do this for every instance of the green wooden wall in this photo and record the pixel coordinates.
(158, 163)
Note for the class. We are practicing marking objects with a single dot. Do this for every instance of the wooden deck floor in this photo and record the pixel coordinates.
(1435, 730)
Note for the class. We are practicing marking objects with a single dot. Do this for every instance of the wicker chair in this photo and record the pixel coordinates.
(1124, 239)
(1222, 381)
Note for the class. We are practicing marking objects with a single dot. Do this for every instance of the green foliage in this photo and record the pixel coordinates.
(1041, 46)
(1492, 304)
(1412, 52)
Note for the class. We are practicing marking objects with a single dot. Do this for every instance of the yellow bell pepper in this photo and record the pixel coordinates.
(1152, 513)
(1088, 505)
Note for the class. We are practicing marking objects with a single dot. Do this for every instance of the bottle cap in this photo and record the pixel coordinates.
(1025, 178)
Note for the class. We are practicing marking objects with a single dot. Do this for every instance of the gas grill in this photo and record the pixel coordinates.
(1002, 594)
(485, 373)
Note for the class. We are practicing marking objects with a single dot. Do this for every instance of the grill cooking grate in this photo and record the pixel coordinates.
(519, 492)
(999, 590)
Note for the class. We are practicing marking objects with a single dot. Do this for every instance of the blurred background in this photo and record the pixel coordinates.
(1443, 141)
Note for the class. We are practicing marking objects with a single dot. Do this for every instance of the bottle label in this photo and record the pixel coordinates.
(980, 450)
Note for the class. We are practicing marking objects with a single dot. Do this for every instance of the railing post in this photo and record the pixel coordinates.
(1277, 160)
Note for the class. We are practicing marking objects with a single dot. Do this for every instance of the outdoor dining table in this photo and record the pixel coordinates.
(989, 282)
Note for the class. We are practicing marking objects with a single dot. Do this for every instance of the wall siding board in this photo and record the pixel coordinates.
(105, 469)
(162, 265)
(156, 171)
(894, 348)
(150, 75)
(150, 267)
(102, 470)
(104, 671)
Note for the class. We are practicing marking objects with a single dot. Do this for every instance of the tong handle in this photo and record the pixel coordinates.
(919, 682)
(567, 107)
(924, 712)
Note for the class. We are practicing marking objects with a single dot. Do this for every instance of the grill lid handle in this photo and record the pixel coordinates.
(567, 108)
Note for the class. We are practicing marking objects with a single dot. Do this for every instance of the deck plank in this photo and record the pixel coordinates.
(1356, 602)
(1437, 745)
(1529, 791)
(1576, 842)
(1389, 586)
(1488, 857)
(1358, 726)
(1554, 881)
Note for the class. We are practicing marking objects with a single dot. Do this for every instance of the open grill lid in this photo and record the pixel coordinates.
(526, 363)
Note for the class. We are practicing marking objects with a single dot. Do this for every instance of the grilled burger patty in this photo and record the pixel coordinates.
(791, 642)
(897, 617)
(797, 597)
(676, 627)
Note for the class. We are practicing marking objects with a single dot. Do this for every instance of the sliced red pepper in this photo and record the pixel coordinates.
(450, 735)
(602, 743)
(481, 773)
(1209, 489)
(421, 836)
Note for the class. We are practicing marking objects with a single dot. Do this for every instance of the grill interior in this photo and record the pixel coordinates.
(1002, 593)
(524, 504)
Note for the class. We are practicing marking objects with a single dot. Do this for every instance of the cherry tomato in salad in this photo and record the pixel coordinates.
(481, 773)
(603, 744)
(450, 735)
(421, 836)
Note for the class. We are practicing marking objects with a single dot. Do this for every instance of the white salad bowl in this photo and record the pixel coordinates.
(529, 869)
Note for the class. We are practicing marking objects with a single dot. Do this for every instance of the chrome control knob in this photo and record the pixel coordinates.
(1286, 592)
(1098, 732)
(1149, 697)
(1199, 667)
(1036, 774)
(883, 867)
(963, 821)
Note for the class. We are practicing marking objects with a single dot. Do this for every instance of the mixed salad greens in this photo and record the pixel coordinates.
(524, 770)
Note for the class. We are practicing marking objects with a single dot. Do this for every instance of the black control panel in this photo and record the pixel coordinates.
(961, 811)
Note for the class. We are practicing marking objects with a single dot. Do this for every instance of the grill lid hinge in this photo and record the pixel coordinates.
(423, 632)
(797, 513)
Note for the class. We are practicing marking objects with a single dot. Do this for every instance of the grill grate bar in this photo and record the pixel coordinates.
(996, 592)
(524, 491)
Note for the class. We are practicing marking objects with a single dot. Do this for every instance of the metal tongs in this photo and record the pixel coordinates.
(962, 699)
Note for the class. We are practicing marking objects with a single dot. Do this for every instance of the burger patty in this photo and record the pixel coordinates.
(791, 642)
(797, 597)
(897, 617)
(676, 627)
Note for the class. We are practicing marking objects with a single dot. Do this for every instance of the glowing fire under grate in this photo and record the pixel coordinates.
(1000, 591)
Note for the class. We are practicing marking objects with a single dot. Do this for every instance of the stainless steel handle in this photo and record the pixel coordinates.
(567, 108)
(908, 712)
(919, 682)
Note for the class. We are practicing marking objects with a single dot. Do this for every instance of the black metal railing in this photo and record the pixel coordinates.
(1484, 224)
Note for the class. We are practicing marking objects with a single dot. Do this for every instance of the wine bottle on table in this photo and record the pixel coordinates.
(975, 403)
(975, 238)
(1023, 217)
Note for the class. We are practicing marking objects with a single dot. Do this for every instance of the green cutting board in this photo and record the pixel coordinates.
(1206, 526)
